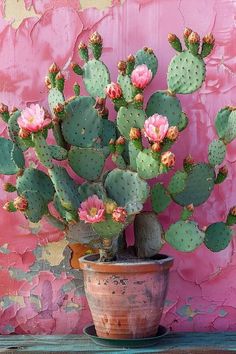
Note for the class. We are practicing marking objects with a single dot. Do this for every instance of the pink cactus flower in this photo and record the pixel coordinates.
(92, 210)
(141, 76)
(119, 215)
(113, 91)
(156, 127)
(33, 119)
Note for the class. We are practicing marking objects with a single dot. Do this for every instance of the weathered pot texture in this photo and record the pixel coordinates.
(126, 299)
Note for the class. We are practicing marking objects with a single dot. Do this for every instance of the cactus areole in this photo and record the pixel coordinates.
(139, 142)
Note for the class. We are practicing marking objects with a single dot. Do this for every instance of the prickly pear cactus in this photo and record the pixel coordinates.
(71, 172)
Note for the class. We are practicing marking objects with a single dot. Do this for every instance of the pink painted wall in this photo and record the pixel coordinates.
(39, 293)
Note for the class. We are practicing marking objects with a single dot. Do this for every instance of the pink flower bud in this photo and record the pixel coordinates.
(141, 76)
(156, 147)
(171, 37)
(135, 134)
(119, 215)
(95, 38)
(172, 133)
(120, 140)
(168, 159)
(113, 91)
(194, 38)
(209, 39)
(53, 69)
(187, 32)
(20, 203)
(233, 211)
(24, 133)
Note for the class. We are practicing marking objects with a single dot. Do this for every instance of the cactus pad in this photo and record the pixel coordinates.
(163, 103)
(96, 77)
(147, 166)
(184, 236)
(125, 187)
(82, 125)
(128, 118)
(183, 122)
(133, 153)
(13, 129)
(186, 73)
(58, 152)
(11, 157)
(199, 185)
(144, 57)
(88, 189)
(66, 188)
(216, 152)
(160, 198)
(108, 228)
(218, 236)
(230, 133)
(126, 86)
(37, 181)
(37, 206)
(178, 182)
(108, 132)
(86, 162)
(54, 98)
(221, 121)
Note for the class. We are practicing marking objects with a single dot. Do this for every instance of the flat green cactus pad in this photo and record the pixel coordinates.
(66, 188)
(86, 162)
(160, 198)
(54, 98)
(198, 187)
(128, 118)
(96, 77)
(183, 122)
(178, 182)
(218, 236)
(108, 132)
(37, 181)
(88, 189)
(58, 152)
(216, 152)
(184, 236)
(125, 187)
(13, 129)
(144, 57)
(133, 153)
(11, 157)
(37, 206)
(126, 86)
(163, 103)
(108, 228)
(186, 73)
(147, 166)
(82, 126)
(221, 121)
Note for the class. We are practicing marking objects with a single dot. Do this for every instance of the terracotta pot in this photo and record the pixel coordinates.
(126, 299)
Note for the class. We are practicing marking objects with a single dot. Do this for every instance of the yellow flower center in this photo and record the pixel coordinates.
(156, 130)
(31, 119)
(93, 211)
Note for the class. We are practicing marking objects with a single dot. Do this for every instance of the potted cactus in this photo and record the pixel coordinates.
(125, 286)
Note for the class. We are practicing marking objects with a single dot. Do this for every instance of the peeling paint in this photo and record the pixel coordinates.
(39, 292)
(16, 12)
(53, 252)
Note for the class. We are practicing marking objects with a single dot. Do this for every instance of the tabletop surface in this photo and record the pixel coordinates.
(179, 343)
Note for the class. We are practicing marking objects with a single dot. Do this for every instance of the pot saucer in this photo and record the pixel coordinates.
(125, 343)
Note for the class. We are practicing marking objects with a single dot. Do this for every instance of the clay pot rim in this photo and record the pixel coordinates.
(89, 263)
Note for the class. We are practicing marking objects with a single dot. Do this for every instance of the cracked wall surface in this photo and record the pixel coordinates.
(39, 292)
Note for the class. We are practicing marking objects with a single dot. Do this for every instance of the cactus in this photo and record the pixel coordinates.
(160, 198)
(82, 126)
(128, 118)
(216, 152)
(162, 102)
(198, 186)
(184, 236)
(225, 124)
(138, 141)
(218, 236)
(88, 163)
(147, 57)
(126, 186)
(11, 157)
(147, 165)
